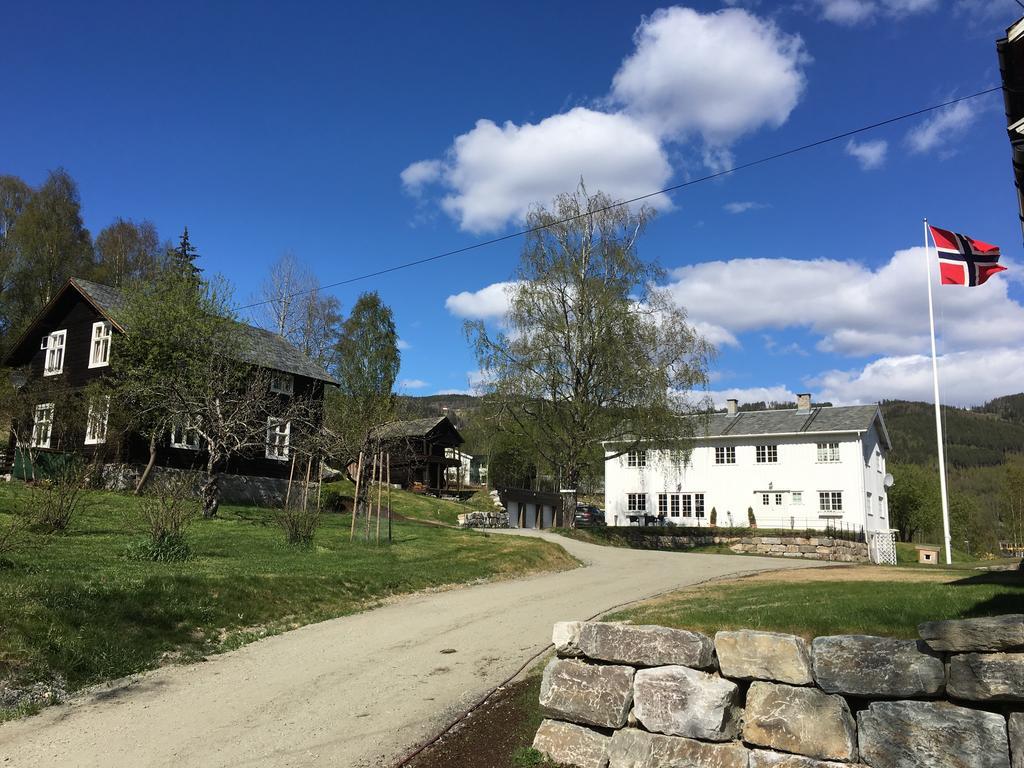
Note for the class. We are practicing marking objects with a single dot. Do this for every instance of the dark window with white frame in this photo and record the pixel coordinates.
(766, 454)
(54, 343)
(725, 454)
(636, 458)
(96, 421)
(99, 350)
(278, 438)
(765, 499)
(662, 503)
(778, 499)
(828, 453)
(185, 435)
(687, 504)
(636, 502)
(674, 508)
(830, 502)
(282, 383)
(698, 505)
(42, 425)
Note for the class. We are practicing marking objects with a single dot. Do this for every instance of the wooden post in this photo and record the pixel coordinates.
(380, 493)
(319, 483)
(355, 500)
(369, 496)
(389, 498)
(305, 489)
(288, 492)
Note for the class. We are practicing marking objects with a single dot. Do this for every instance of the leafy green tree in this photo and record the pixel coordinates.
(914, 504)
(1013, 501)
(128, 250)
(590, 351)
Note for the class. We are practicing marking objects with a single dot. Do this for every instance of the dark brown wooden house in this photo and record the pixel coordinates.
(417, 449)
(71, 342)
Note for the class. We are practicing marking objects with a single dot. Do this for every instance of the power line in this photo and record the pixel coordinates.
(673, 188)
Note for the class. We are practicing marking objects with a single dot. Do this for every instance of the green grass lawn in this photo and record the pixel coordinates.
(73, 604)
(420, 506)
(852, 600)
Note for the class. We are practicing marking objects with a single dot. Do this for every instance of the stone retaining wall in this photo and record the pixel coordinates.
(805, 547)
(624, 696)
(234, 489)
(495, 519)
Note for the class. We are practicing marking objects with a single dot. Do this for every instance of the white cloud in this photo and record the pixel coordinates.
(719, 75)
(743, 207)
(910, 377)
(704, 77)
(489, 303)
(403, 345)
(870, 154)
(1000, 11)
(778, 394)
(852, 12)
(855, 310)
(413, 384)
(943, 128)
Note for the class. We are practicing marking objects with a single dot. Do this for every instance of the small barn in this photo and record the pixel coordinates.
(531, 509)
(419, 451)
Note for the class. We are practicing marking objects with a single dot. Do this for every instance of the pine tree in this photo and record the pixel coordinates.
(183, 258)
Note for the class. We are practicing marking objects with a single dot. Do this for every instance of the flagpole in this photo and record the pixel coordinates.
(938, 410)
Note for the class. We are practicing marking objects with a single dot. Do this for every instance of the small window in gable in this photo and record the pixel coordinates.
(99, 352)
(54, 346)
(282, 383)
(636, 458)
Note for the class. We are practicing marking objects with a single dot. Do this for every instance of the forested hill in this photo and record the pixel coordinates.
(974, 438)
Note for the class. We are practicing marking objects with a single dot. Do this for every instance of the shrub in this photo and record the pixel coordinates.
(335, 499)
(299, 523)
(751, 520)
(714, 518)
(52, 503)
(167, 510)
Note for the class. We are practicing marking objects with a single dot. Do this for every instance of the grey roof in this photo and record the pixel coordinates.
(411, 428)
(259, 347)
(823, 419)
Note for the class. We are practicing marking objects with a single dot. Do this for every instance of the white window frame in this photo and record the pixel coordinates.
(180, 435)
(662, 503)
(766, 499)
(766, 454)
(698, 505)
(54, 344)
(796, 497)
(674, 505)
(282, 383)
(687, 504)
(278, 450)
(778, 499)
(99, 344)
(830, 503)
(636, 458)
(636, 502)
(95, 429)
(37, 422)
(725, 454)
(828, 453)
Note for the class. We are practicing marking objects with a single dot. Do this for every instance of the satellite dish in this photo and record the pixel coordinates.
(888, 480)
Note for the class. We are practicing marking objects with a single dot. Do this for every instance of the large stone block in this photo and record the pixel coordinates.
(762, 758)
(570, 744)
(804, 721)
(565, 636)
(632, 748)
(997, 633)
(679, 701)
(927, 734)
(749, 655)
(987, 676)
(645, 646)
(1016, 731)
(584, 693)
(860, 665)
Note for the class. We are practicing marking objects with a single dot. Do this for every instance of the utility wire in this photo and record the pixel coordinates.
(673, 188)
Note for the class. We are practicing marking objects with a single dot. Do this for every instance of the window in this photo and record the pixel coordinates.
(282, 383)
(184, 435)
(881, 506)
(42, 425)
(99, 352)
(675, 505)
(687, 505)
(725, 454)
(778, 499)
(765, 499)
(766, 454)
(636, 458)
(96, 421)
(698, 504)
(636, 502)
(278, 437)
(830, 502)
(662, 503)
(828, 453)
(797, 497)
(54, 346)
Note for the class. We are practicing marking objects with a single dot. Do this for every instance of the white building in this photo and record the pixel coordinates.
(808, 467)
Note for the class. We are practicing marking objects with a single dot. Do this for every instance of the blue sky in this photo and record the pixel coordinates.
(350, 135)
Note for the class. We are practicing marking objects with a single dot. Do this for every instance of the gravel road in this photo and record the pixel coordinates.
(357, 691)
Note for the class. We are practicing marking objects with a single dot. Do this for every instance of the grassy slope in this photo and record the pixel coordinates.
(838, 603)
(73, 604)
(421, 507)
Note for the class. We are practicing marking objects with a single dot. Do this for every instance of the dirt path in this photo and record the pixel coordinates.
(356, 691)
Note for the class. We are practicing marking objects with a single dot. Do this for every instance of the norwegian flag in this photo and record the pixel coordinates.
(964, 260)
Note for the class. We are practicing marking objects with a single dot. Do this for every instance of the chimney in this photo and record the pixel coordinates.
(731, 406)
(803, 402)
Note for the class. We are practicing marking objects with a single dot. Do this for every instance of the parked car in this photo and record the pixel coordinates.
(588, 516)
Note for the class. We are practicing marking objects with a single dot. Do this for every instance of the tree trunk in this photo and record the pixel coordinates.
(149, 466)
(211, 491)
